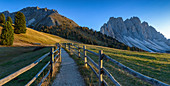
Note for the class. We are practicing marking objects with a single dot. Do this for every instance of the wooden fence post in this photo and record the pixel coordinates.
(60, 52)
(65, 45)
(52, 60)
(55, 49)
(69, 46)
(79, 51)
(101, 82)
(85, 56)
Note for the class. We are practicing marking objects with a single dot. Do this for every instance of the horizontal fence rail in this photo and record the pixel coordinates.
(102, 70)
(137, 74)
(27, 68)
(36, 76)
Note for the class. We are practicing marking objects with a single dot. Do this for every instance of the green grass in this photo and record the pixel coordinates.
(19, 57)
(154, 65)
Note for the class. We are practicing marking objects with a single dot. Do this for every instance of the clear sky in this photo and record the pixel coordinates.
(94, 13)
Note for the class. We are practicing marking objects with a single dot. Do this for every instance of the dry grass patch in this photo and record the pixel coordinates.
(32, 36)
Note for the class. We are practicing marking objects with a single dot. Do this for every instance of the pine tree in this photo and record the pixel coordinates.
(9, 19)
(2, 18)
(7, 35)
(128, 48)
(20, 23)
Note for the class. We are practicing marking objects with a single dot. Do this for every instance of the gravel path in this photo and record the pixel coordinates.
(69, 74)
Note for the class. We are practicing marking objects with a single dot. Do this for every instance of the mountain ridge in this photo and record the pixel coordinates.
(50, 21)
(135, 33)
(37, 17)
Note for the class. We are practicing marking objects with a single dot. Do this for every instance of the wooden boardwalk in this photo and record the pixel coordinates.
(69, 74)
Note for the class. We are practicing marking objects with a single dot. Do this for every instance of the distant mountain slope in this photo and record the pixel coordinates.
(50, 21)
(32, 37)
(37, 17)
(135, 33)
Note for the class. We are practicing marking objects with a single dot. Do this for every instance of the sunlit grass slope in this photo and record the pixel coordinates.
(32, 37)
(155, 65)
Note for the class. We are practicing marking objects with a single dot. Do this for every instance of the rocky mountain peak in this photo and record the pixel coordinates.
(35, 9)
(135, 19)
(119, 19)
(6, 11)
(134, 33)
(37, 17)
(145, 24)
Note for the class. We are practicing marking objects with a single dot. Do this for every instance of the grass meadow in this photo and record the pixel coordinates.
(154, 65)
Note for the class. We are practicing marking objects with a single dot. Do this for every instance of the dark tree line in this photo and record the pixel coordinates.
(86, 35)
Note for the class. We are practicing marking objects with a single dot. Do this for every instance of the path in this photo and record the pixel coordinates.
(69, 74)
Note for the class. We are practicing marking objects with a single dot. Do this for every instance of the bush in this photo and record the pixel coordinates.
(7, 35)
(2, 18)
(9, 19)
(20, 23)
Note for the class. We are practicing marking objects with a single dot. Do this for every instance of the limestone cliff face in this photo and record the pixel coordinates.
(133, 32)
(36, 17)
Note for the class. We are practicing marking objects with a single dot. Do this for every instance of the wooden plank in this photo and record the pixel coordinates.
(36, 76)
(75, 46)
(77, 55)
(81, 53)
(60, 52)
(56, 55)
(57, 60)
(75, 50)
(101, 82)
(69, 45)
(74, 53)
(152, 81)
(105, 83)
(17, 73)
(85, 56)
(78, 51)
(44, 78)
(78, 46)
(111, 77)
(56, 50)
(81, 47)
(92, 52)
(93, 70)
(52, 61)
(93, 62)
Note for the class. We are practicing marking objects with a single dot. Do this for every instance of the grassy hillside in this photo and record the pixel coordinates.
(15, 58)
(155, 65)
(32, 36)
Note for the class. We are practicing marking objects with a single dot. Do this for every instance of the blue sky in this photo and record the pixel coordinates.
(94, 13)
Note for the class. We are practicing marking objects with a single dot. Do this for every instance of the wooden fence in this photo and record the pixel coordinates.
(102, 70)
(55, 57)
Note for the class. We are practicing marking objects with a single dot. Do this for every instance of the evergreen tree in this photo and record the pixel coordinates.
(20, 23)
(9, 19)
(2, 18)
(128, 48)
(7, 35)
